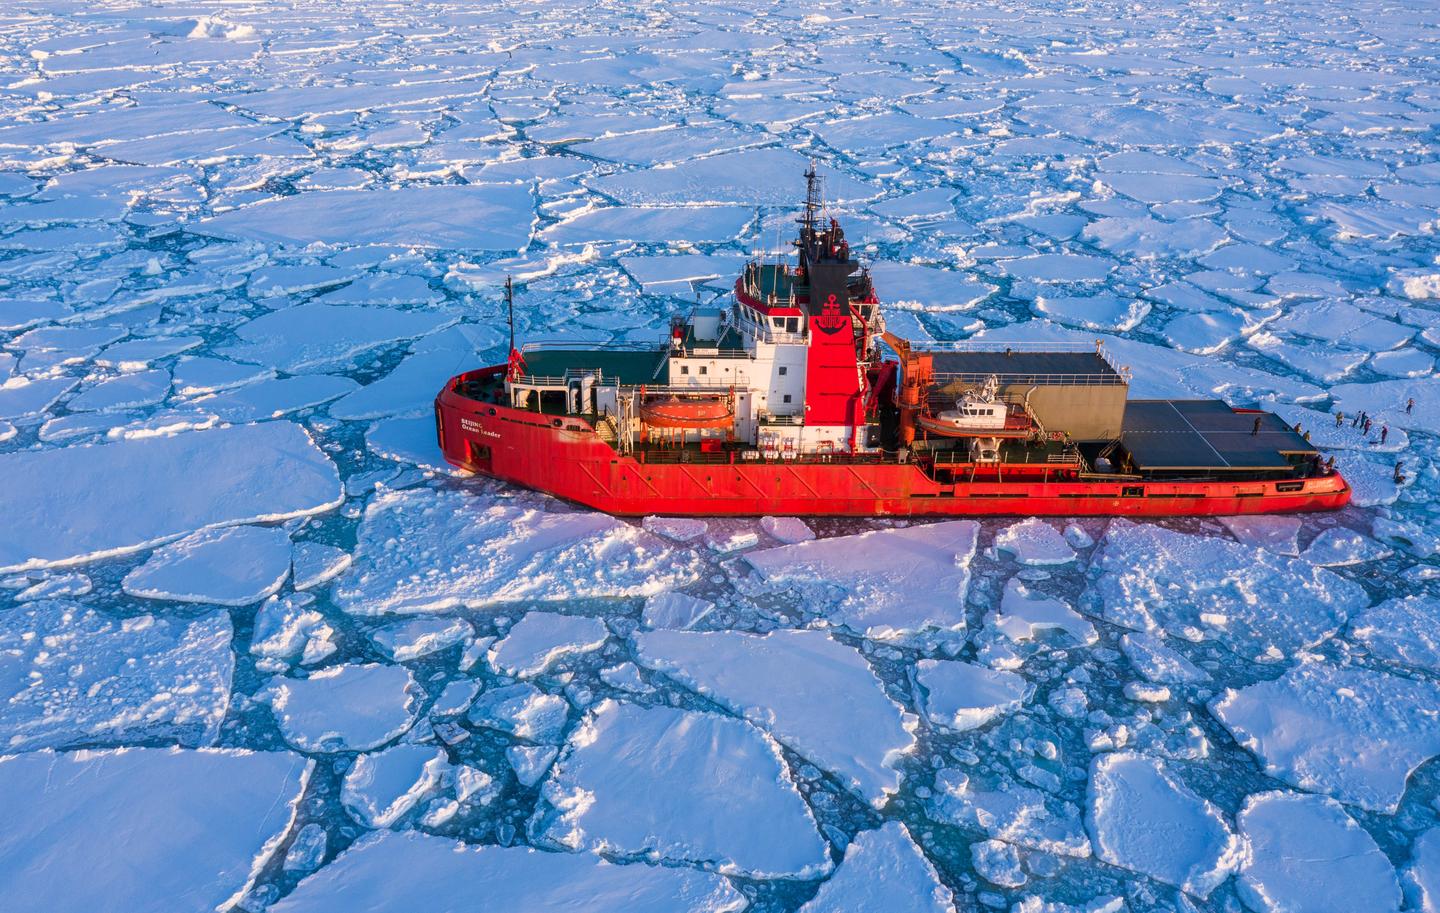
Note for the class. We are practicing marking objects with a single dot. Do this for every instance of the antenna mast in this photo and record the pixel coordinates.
(510, 308)
(813, 204)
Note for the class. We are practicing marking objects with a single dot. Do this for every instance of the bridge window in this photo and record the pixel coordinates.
(684, 369)
(784, 370)
(787, 397)
(704, 369)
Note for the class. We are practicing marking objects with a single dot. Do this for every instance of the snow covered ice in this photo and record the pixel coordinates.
(416, 871)
(143, 829)
(423, 550)
(243, 243)
(890, 582)
(788, 682)
(1307, 854)
(680, 785)
(1353, 733)
(1142, 817)
(882, 869)
(92, 679)
(125, 496)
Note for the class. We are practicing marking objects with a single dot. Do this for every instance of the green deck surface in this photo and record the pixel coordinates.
(630, 366)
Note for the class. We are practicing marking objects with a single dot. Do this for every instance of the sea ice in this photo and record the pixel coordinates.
(234, 566)
(315, 564)
(883, 869)
(1262, 605)
(1025, 614)
(311, 337)
(541, 639)
(343, 708)
(1306, 855)
(271, 471)
(70, 675)
(1010, 812)
(1094, 312)
(1157, 662)
(125, 391)
(912, 285)
(144, 830)
(682, 786)
(1033, 541)
(288, 627)
(450, 216)
(679, 611)
(1144, 818)
(1403, 629)
(413, 638)
(1340, 547)
(998, 862)
(788, 530)
(410, 388)
(668, 225)
(1277, 533)
(1422, 876)
(812, 693)
(530, 762)
(307, 850)
(891, 581)
(963, 696)
(381, 787)
(521, 710)
(424, 550)
(1355, 734)
(414, 871)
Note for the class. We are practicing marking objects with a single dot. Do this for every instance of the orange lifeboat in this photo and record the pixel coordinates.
(690, 412)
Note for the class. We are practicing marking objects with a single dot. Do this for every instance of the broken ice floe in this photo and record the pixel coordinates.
(1306, 853)
(382, 786)
(883, 869)
(812, 693)
(891, 582)
(425, 550)
(141, 828)
(1355, 734)
(235, 566)
(413, 870)
(682, 786)
(71, 675)
(1402, 630)
(1143, 817)
(962, 696)
(234, 475)
(541, 639)
(1262, 605)
(343, 708)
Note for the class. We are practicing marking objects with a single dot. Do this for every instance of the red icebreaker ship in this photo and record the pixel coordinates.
(787, 402)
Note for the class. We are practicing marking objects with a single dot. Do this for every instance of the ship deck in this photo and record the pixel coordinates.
(631, 367)
(1207, 435)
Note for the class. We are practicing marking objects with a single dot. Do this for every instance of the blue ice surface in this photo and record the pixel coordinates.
(1239, 199)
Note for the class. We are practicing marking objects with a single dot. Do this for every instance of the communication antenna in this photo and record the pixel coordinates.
(510, 308)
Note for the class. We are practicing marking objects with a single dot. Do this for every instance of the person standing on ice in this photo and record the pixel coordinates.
(1339, 417)
(1256, 429)
(1384, 433)
(1410, 405)
(1367, 426)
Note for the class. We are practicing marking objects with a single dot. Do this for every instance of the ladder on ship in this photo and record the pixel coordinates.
(608, 430)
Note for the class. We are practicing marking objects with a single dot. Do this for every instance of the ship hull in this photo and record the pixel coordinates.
(566, 457)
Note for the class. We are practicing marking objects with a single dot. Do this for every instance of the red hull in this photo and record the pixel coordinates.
(565, 457)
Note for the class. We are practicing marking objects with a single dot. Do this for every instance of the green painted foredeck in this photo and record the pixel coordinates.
(629, 366)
